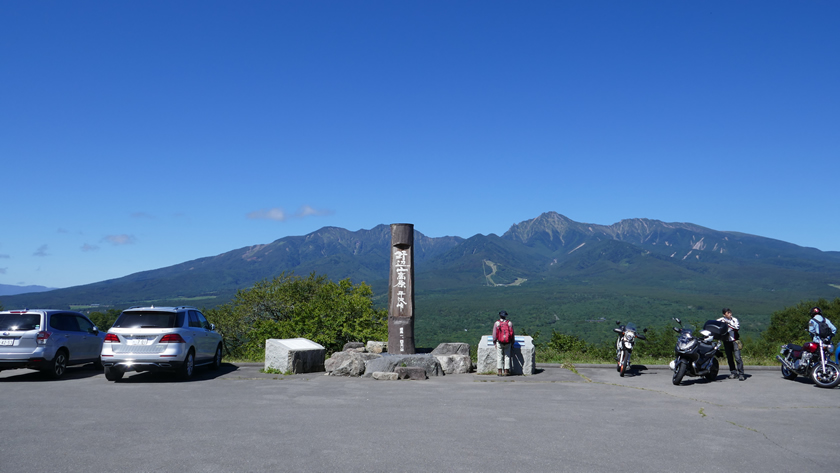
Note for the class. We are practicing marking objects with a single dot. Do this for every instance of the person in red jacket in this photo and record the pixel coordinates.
(503, 339)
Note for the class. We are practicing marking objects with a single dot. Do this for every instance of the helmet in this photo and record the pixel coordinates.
(815, 311)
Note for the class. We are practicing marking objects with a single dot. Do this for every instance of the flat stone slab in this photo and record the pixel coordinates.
(295, 355)
(383, 376)
(410, 372)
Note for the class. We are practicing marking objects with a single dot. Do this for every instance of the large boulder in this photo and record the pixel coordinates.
(389, 363)
(452, 349)
(348, 363)
(295, 355)
(455, 364)
(522, 356)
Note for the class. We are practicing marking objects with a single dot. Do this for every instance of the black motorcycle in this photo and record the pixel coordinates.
(627, 335)
(811, 361)
(697, 356)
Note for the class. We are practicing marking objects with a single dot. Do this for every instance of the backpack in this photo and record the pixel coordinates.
(823, 330)
(503, 335)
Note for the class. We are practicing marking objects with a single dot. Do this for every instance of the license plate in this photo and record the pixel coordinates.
(138, 341)
(7, 341)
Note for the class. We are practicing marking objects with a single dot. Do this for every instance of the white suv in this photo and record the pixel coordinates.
(173, 339)
(47, 340)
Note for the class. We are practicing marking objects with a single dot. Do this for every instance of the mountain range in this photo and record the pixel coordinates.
(555, 271)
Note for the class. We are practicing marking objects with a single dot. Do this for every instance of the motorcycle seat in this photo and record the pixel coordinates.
(793, 347)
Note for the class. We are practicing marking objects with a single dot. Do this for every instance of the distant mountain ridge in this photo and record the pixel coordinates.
(551, 249)
(11, 290)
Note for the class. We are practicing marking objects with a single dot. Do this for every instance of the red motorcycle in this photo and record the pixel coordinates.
(810, 360)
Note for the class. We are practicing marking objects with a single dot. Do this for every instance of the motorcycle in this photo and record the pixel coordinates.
(697, 356)
(627, 335)
(810, 360)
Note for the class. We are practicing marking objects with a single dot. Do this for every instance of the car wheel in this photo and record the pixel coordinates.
(189, 365)
(113, 374)
(217, 359)
(58, 365)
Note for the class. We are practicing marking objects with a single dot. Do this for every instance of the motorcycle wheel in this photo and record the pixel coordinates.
(788, 374)
(828, 377)
(713, 371)
(679, 373)
(621, 363)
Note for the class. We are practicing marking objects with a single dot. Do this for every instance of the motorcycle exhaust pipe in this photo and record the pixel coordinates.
(785, 362)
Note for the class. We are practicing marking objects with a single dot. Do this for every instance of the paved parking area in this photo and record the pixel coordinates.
(587, 419)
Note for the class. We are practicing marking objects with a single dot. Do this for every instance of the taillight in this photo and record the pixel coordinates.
(171, 338)
(41, 337)
(112, 338)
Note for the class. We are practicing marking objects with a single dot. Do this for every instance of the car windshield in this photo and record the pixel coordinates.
(19, 321)
(148, 320)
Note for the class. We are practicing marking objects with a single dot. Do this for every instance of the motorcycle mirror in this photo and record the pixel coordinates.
(644, 331)
(678, 320)
(676, 329)
(618, 322)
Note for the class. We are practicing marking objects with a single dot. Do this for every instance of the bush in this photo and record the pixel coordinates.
(288, 306)
(790, 325)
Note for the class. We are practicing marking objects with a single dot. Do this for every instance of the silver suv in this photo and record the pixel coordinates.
(173, 339)
(47, 340)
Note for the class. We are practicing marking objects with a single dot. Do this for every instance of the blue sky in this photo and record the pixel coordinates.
(137, 135)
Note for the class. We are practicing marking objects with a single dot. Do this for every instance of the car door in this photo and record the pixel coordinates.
(65, 329)
(199, 337)
(90, 343)
(210, 335)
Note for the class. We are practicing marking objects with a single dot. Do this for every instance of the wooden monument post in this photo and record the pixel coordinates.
(401, 293)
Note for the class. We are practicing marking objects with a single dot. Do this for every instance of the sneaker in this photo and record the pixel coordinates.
(733, 376)
(741, 377)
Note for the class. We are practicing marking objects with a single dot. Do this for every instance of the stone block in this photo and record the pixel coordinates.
(522, 356)
(384, 376)
(388, 362)
(410, 372)
(354, 346)
(348, 363)
(296, 355)
(452, 349)
(455, 364)
(376, 347)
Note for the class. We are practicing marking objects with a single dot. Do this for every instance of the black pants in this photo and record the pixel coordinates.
(733, 356)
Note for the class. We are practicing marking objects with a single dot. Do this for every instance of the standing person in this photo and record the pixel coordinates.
(820, 327)
(503, 339)
(732, 346)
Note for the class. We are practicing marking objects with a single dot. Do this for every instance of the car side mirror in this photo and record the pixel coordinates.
(213, 327)
(94, 330)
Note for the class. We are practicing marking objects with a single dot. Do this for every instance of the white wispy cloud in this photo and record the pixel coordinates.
(41, 251)
(279, 215)
(117, 240)
(87, 247)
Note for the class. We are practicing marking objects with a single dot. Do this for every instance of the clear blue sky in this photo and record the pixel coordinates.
(137, 135)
